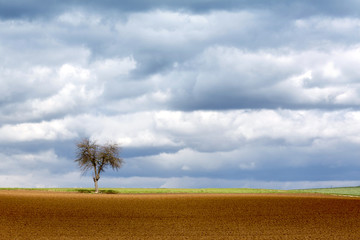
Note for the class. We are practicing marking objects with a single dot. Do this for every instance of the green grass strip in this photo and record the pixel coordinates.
(154, 190)
(348, 191)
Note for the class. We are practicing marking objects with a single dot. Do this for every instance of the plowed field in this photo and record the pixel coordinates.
(45, 215)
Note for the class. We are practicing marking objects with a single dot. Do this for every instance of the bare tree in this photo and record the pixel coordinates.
(92, 156)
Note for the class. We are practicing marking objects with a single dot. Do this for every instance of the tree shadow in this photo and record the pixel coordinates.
(107, 191)
(85, 191)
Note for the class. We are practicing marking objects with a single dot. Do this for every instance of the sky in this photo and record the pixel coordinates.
(204, 93)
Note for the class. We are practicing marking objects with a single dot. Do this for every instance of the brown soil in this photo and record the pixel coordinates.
(44, 215)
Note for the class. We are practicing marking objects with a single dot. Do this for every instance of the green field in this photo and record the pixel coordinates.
(351, 191)
(155, 190)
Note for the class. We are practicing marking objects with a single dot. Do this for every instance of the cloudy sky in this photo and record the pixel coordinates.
(204, 93)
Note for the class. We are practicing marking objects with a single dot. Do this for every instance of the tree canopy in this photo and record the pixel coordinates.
(97, 157)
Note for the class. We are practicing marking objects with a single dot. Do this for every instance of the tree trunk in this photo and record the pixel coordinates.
(96, 185)
(96, 179)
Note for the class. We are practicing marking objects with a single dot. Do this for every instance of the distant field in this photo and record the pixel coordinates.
(351, 191)
(155, 190)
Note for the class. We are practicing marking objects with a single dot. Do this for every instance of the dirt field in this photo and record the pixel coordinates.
(44, 215)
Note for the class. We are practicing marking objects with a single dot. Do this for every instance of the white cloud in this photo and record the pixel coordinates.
(53, 130)
(113, 67)
(68, 98)
(71, 73)
(203, 130)
(130, 130)
(228, 77)
(235, 127)
(330, 71)
(62, 90)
